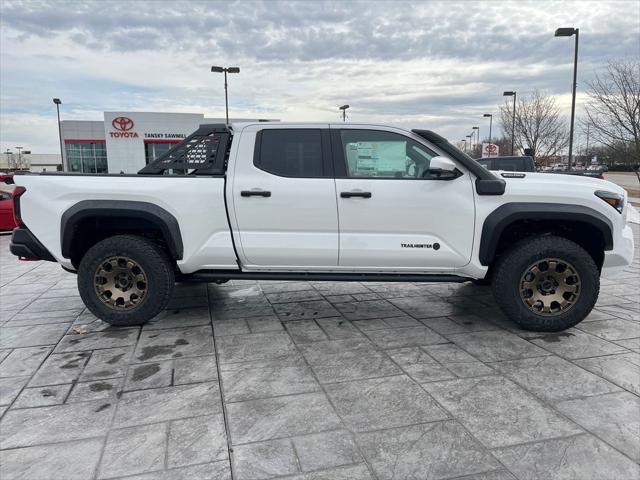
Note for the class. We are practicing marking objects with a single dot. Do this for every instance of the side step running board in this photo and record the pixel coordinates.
(218, 275)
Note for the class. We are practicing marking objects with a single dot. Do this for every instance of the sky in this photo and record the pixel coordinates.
(435, 65)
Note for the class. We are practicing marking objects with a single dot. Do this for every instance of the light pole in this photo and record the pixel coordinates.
(477, 132)
(226, 70)
(513, 120)
(470, 143)
(464, 144)
(58, 102)
(344, 112)
(490, 123)
(567, 32)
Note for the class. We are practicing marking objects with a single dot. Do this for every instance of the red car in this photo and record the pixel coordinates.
(7, 221)
(6, 178)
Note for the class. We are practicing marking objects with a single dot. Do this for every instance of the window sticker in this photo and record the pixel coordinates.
(374, 158)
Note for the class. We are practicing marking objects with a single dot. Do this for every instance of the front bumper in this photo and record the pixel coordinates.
(616, 260)
(26, 246)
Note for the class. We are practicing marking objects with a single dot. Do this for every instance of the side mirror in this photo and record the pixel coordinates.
(442, 168)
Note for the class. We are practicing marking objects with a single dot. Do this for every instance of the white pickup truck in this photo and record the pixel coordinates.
(291, 201)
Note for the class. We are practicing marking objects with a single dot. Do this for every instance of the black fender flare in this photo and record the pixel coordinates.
(503, 216)
(165, 221)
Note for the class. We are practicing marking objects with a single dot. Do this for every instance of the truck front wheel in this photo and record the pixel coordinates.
(546, 284)
(125, 280)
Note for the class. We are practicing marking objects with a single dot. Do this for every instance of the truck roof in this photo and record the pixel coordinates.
(278, 124)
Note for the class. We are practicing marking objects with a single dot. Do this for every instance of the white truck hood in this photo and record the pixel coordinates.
(560, 183)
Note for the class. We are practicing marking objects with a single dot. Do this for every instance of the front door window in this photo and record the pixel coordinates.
(380, 154)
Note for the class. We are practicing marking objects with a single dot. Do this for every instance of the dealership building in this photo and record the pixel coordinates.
(126, 141)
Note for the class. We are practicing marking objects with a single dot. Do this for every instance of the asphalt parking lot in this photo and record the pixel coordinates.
(253, 380)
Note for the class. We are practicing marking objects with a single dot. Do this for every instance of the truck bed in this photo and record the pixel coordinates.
(196, 202)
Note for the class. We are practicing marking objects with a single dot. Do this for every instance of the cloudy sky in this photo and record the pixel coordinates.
(439, 65)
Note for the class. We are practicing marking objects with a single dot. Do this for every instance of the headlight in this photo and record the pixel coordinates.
(613, 199)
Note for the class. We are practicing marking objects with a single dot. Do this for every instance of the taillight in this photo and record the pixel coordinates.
(17, 193)
(601, 177)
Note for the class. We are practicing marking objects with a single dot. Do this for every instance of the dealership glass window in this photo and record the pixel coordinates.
(380, 154)
(87, 157)
(291, 152)
(153, 150)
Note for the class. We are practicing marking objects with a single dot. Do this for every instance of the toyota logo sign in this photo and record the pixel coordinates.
(489, 150)
(122, 124)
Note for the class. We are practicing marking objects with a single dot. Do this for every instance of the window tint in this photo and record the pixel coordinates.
(374, 153)
(510, 165)
(488, 164)
(291, 153)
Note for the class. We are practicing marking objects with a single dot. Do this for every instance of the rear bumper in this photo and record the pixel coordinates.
(616, 260)
(25, 245)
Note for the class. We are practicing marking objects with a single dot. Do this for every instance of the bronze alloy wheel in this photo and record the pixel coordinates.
(120, 283)
(550, 287)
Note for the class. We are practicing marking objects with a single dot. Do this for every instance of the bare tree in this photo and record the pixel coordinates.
(538, 125)
(503, 143)
(613, 110)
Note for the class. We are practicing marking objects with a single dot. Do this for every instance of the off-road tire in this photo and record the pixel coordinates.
(151, 258)
(513, 264)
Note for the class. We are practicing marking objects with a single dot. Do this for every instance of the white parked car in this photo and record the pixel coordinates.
(291, 201)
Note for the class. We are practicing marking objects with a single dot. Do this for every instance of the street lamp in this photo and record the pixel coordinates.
(477, 132)
(567, 32)
(344, 112)
(490, 123)
(226, 70)
(513, 121)
(58, 102)
(470, 143)
(464, 144)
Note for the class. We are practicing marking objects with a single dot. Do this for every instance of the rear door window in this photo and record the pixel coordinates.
(290, 152)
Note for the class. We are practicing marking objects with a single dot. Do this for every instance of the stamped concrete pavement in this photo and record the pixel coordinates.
(304, 380)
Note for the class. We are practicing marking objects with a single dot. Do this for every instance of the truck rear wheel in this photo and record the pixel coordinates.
(546, 284)
(125, 280)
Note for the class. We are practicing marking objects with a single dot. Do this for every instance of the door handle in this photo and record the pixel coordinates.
(355, 194)
(255, 193)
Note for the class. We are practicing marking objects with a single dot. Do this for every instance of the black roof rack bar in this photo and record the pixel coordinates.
(204, 152)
